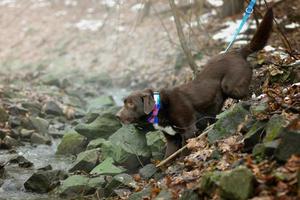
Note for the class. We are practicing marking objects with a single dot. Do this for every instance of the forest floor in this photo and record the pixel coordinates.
(70, 52)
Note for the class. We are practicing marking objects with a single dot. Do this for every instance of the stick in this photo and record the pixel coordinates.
(202, 135)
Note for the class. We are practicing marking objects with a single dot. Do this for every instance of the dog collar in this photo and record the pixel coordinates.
(153, 119)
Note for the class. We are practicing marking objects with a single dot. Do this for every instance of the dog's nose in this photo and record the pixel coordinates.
(118, 115)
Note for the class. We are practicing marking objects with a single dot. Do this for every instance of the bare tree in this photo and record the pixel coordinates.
(182, 39)
(232, 7)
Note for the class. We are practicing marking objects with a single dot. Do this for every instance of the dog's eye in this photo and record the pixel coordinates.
(130, 105)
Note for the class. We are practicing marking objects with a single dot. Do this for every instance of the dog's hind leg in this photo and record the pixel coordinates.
(236, 85)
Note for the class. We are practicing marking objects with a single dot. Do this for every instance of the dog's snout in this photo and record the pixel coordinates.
(118, 115)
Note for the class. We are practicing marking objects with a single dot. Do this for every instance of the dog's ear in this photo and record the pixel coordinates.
(148, 101)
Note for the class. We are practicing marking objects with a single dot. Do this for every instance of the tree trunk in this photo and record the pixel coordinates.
(182, 39)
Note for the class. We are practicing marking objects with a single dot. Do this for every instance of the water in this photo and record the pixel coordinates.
(40, 156)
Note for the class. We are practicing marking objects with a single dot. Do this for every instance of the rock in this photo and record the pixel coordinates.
(237, 184)
(38, 124)
(125, 145)
(143, 194)
(96, 143)
(14, 121)
(102, 79)
(3, 133)
(3, 115)
(103, 127)
(44, 181)
(10, 142)
(51, 108)
(39, 139)
(78, 185)
(189, 195)
(21, 161)
(120, 181)
(46, 168)
(164, 195)
(289, 144)
(75, 185)
(228, 123)
(156, 142)
(254, 135)
(50, 79)
(86, 161)
(33, 107)
(148, 171)
(25, 133)
(2, 171)
(107, 167)
(72, 143)
(90, 117)
(17, 110)
(101, 103)
(209, 182)
(274, 127)
(259, 109)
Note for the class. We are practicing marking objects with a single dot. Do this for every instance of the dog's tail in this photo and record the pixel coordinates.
(261, 35)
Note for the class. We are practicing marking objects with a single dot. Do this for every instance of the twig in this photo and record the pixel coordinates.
(202, 135)
(182, 40)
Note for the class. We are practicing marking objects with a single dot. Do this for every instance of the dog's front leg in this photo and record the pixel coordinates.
(173, 143)
(190, 132)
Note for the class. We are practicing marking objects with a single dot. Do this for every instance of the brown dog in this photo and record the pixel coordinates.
(189, 107)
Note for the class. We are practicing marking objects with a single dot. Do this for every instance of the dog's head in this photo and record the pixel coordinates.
(137, 105)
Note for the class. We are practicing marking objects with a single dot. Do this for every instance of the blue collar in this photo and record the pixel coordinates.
(154, 115)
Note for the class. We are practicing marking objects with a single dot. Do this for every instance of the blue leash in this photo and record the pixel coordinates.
(246, 16)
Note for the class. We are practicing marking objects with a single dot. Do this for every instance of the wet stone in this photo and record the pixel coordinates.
(21, 161)
(51, 108)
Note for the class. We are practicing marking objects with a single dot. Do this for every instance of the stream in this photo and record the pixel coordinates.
(40, 156)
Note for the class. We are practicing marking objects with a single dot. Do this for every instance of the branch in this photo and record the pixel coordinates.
(201, 136)
(182, 40)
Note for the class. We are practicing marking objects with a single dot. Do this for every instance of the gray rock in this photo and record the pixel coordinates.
(21, 161)
(72, 143)
(189, 195)
(164, 195)
(120, 181)
(148, 171)
(78, 185)
(25, 133)
(38, 124)
(14, 121)
(51, 108)
(274, 127)
(3, 115)
(86, 161)
(209, 182)
(254, 135)
(96, 143)
(289, 144)
(10, 142)
(143, 194)
(102, 127)
(44, 181)
(39, 139)
(32, 107)
(100, 103)
(157, 144)
(259, 109)
(228, 123)
(237, 184)
(107, 167)
(127, 147)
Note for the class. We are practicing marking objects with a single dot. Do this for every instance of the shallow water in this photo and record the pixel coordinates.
(40, 156)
